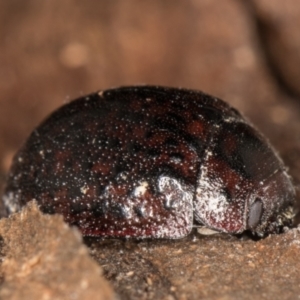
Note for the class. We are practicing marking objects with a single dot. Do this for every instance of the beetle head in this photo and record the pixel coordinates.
(270, 206)
(243, 184)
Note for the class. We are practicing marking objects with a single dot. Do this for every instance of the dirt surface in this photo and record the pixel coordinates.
(246, 53)
(219, 267)
(42, 258)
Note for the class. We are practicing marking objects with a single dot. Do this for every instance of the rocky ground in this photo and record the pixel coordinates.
(247, 53)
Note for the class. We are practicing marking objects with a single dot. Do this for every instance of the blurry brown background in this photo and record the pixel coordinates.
(245, 52)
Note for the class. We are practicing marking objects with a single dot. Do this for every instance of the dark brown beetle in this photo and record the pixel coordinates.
(152, 162)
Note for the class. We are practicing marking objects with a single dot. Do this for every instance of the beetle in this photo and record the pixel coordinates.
(152, 162)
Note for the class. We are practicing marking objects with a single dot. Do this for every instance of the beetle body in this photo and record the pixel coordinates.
(150, 162)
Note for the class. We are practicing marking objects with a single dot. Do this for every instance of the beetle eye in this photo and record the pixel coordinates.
(255, 213)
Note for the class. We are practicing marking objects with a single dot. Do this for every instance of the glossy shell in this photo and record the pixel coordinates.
(152, 162)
